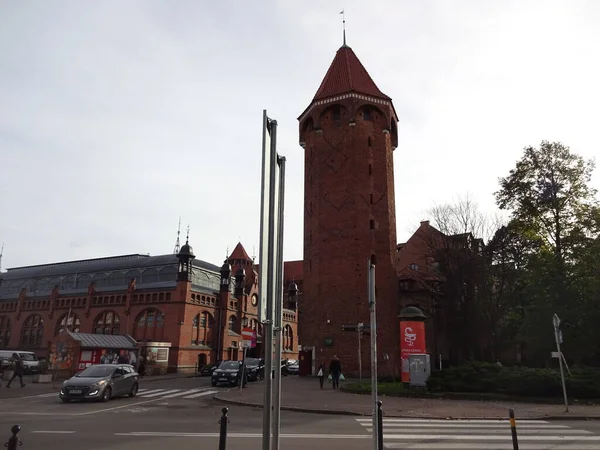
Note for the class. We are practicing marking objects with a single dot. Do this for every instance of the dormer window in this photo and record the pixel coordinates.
(367, 114)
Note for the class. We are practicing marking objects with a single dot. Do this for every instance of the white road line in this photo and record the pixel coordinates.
(483, 437)
(112, 409)
(143, 390)
(156, 394)
(201, 394)
(526, 432)
(189, 391)
(470, 426)
(487, 446)
(246, 435)
(399, 420)
(54, 432)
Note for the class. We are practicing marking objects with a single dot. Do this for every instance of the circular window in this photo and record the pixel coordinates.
(254, 300)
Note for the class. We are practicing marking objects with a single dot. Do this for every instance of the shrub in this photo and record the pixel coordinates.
(583, 383)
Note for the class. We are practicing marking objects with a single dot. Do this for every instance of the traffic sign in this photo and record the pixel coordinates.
(249, 337)
(355, 327)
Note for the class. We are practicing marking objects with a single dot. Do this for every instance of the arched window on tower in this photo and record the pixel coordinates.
(69, 321)
(32, 333)
(107, 322)
(149, 325)
(4, 331)
(367, 114)
(288, 338)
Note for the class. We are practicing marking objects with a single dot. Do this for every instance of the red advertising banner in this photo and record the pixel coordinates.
(412, 341)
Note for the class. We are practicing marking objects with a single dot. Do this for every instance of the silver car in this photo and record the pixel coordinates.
(101, 382)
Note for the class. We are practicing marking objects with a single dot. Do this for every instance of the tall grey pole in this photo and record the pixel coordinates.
(278, 319)
(359, 329)
(268, 323)
(556, 323)
(373, 352)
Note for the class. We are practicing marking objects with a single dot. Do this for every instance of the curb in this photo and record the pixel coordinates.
(174, 377)
(334, 412)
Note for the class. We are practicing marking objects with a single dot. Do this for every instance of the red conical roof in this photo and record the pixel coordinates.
(239, 253)
(347, 74)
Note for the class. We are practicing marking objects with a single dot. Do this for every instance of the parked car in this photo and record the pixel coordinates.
(255, 369)
(207, 369)
(228, 372)
(30, 360)
(101, 382)
(293, 368)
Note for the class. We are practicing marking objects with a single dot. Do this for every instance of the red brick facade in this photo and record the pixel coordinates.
(349, 132)
(201, 325)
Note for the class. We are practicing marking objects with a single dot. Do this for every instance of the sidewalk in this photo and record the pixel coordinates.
(32, 389)
(302, 394)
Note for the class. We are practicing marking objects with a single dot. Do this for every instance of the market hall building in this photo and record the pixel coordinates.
(194, 308)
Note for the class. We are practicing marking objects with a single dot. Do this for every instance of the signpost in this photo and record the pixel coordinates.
(359, 328)
(270, 288)
(371, 278)
(558, 338)
(248, 341)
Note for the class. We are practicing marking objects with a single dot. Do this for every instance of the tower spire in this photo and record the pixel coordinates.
(177, 248)
(187, 236)
(344, 26)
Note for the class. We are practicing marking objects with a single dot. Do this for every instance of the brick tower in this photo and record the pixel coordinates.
(349, 133)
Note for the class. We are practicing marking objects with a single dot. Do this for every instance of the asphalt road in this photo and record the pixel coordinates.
(182, 413)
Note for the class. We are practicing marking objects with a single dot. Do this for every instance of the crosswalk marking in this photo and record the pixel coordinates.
(157, 394)
(201, 394)
(152, 393)
(440, 434)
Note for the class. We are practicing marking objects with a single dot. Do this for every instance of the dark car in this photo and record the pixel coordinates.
(228, 372)
(255, 369)
(208, 369)
(101, 382)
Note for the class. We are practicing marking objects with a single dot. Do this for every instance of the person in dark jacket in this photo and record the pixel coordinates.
(18, 365)
(321, 373)
(335, 370)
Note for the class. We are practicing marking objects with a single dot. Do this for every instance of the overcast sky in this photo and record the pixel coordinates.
(118, 117)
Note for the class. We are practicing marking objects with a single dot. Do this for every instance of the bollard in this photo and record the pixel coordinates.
(223, 432)
(379, 425)
(513, 429)
(14, 440)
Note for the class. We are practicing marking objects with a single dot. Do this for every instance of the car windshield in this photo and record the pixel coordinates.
(28, 357)
(230, 365)
(252, 362)
(96, 372)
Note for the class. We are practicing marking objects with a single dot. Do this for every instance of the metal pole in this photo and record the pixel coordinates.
(513, 429)
(562, 372)
(223, 431)
(359, 353)
(268, 323)
(14, 441)
(243, 367)
(278, 319)
(373, 351)
(379, 426)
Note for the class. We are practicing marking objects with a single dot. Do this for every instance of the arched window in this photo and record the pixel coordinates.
(231, 325)
(288, 338)
(149, 325)
(202, 327)
(107, 322)
(69, 321)
(32, 332)
(4, 331)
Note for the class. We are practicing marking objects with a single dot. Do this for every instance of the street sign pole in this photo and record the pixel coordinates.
(243, 367)
(359, 329)
(278, 319)
(371, 278)
(556, 323)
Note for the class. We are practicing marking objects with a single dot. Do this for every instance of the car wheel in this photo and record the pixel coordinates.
(134, 390)
(258, 377)
(106, 394)
(66, 400)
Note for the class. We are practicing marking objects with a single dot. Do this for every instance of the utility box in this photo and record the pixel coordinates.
(420, 369)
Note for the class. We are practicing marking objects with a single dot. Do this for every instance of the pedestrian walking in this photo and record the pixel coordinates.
(321, 373)
(335, 370)
(18, 365)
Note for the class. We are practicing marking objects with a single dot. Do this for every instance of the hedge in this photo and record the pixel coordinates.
(583, 383)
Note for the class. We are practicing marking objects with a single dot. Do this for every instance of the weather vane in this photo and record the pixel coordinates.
(344, 25)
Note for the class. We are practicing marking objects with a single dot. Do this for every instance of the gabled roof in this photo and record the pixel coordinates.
(347, 74)
(239, 253)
